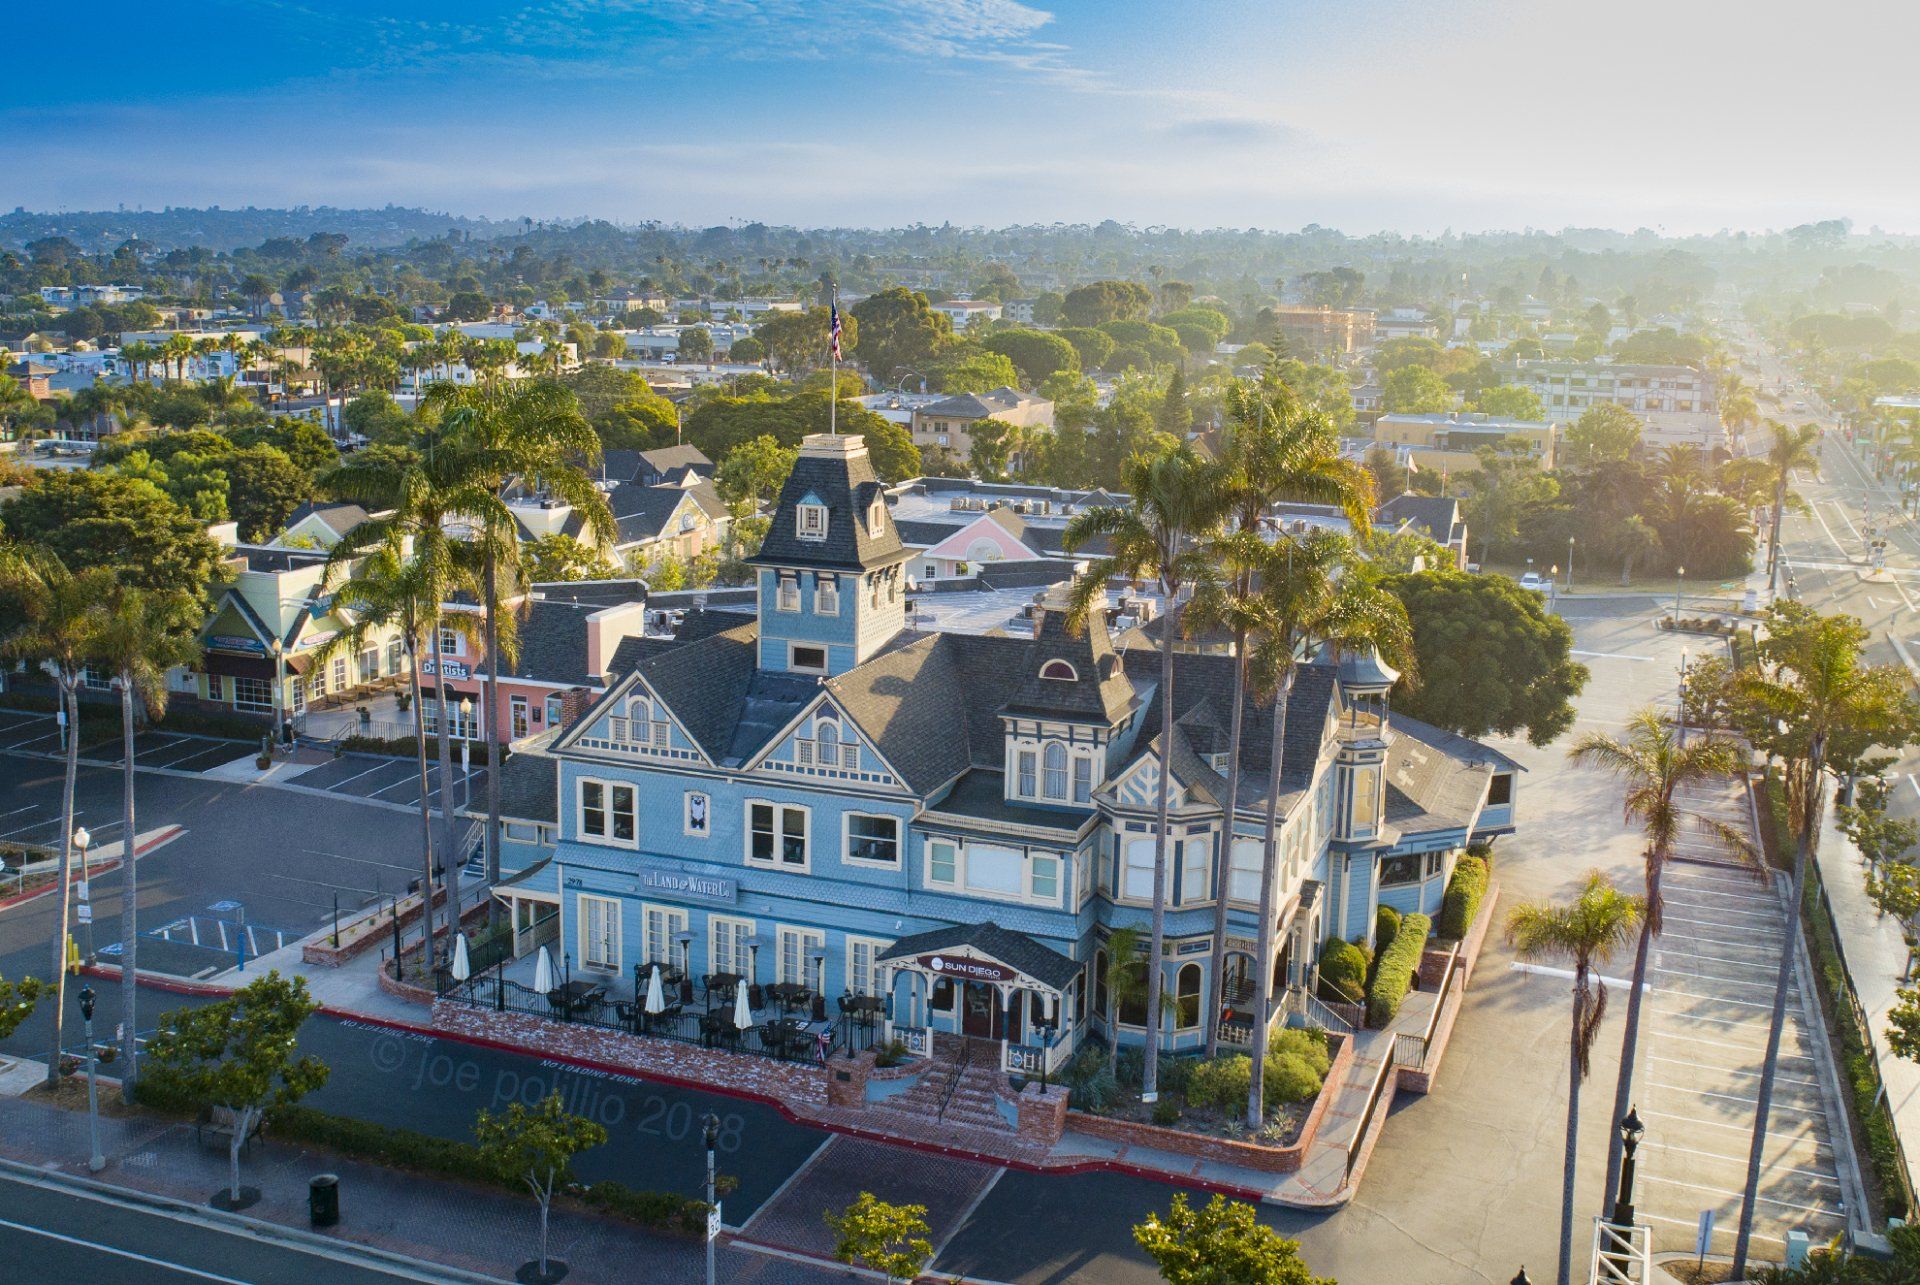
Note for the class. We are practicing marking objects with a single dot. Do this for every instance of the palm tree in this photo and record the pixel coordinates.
(1586, 931)
(1280, 449)
(1303, 599)
(54, 618)
(1125, 980)
(145, 634)
(1176, 502)
(440, 507)
(1633, 540)
(388, 591)
(1654, 766)
(1831, 706)
(1792, 448)
(533, 434)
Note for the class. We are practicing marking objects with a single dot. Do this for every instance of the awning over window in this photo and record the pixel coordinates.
(983, 953)
(221, 662)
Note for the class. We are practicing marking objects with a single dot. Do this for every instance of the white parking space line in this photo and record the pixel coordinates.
(1812, 1113)
(1755, 1049)
(405, 780)
(1718, 1231)
(1715, 923)
(1816, 1175)
(1712, 977)
(1713, 999)
(1759, 915)
(1730, 1070)
(1765, 1200)
(357, 775)
(1745, 1130)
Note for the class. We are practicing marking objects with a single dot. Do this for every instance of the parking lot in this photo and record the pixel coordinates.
(1710, 1000)
(35, 733)
(390, 780)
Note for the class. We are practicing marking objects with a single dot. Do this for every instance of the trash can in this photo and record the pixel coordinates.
(323, 1200)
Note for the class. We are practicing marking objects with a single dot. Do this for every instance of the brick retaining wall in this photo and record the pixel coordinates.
(1249, 1155)
(795, 1085)
(1421, 1080)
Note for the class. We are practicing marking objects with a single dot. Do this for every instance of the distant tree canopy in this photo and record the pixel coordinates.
(899, 331)
(1036, 354)
(1664, 346)
(100, 518)
(1102, 301)
(720, 424)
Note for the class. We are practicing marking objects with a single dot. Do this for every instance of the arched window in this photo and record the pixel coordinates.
(1054, 778)
(1188, 992)
(826, 734)
(1059, 670)
(1133, 1005)
(1100, 983)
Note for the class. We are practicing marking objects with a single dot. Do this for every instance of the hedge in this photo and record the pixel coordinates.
(441, 1157)
(1386, 926)
(1343, 969)
(1395, 970)
(403, 746)
(106, 713)
(1464, 891)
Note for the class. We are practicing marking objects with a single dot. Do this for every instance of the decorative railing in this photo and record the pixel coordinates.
(812, 752)
(646, 733)
(1023, 1059)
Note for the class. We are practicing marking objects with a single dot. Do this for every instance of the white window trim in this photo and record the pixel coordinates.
(1060, 877)
(822, 584)
(686, 815)
(846, 840)
(714, 924)
(677, 920)
(781, 581)
(580, 812)
(879, 945)
(619, 931)
(811, 939)
(803, 524)
(926, 852)
(794, 666)
(774, 862)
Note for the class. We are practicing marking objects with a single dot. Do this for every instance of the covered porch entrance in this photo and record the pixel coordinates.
(983, 982)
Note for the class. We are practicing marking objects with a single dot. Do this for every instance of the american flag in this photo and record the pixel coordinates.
(833, 328)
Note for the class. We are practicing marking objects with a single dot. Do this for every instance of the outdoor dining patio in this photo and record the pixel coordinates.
(783, 1020)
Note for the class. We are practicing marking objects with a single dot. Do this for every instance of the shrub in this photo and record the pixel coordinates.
(1221, 1083)
(1343, 969)
(1175, 1072)
(1090, 1086)
(1166, 1112)
(1397, 965)
(1464, 891)
(1130, 1068)
(1386, 922)
(1309, 1046)
(1290, 1079)
(397, 745)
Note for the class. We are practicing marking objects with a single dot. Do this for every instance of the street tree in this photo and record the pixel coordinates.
(1608, 431)
(1492, 659)
(899, 333)
(17, 1000)
(1502, 486)
(1654, 767)
(1037, 354)
(239, 1054)
(54, 617)
(1510, 401)
(536, 1146)
(1585, 932)
(881, 1237)
(1223, 1243)
(973, 370)
(1416, 390)
(141, 637)
(1099, 302)
(754, 471)
(1791, 448)
(1177, 501)
(91, 518)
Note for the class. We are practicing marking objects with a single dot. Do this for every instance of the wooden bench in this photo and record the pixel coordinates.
(219, 1124)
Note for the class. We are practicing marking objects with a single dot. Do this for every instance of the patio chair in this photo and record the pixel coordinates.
(629, 1014)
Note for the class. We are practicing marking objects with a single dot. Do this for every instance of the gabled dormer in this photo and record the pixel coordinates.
(1073, 699)
(831, 575)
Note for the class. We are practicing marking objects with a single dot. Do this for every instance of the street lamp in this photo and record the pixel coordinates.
(466, 751)
(279, 688)
(1682, 696)
(95, 1161)
(710, 1131)
(1630, 1133)
(1679, 583)
(1569, 576)
(81, 841)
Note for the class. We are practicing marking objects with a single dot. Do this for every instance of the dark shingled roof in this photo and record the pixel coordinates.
(338, 518)
(553, 644)
(1100, 689)
(665, 462)
(848, 487)
(905, 701)
(527, 787)
(706, 685)
(1016, 950)
(641, 512)
(924, 533)
(1437, 515)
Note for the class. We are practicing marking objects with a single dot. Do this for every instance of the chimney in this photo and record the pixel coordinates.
(605, 630)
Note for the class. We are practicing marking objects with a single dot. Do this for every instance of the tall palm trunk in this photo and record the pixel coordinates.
(1150, 1075)
(1630, 1041)
(1810, 813)
(448, 844)
(490, 697)
(129, 890)
(69, 697)
(1223, 864)
(1773, 537)
(426, 811)
(1571, 1164)
(1263, 966)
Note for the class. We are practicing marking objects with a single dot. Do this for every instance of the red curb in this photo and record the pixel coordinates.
(167, 835)
(1255, 1195)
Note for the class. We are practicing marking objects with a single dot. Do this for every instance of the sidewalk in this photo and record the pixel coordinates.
(475, 1229)
(1875, 955)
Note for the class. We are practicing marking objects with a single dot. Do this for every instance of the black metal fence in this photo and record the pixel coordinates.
(708, 1024)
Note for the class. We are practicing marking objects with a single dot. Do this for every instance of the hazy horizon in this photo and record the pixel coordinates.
(1382, 115)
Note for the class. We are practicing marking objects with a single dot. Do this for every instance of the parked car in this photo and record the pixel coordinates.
(1535, 581)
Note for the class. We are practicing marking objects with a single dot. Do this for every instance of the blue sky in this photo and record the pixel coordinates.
(1363, 114)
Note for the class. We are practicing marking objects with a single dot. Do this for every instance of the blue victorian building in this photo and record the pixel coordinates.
(813, 794)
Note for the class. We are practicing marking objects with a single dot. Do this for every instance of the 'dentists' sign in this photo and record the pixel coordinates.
(969, 970)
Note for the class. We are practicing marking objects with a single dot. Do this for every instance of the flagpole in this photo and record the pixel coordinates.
(833, 350)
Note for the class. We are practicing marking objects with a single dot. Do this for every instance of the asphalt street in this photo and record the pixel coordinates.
(50, 1234)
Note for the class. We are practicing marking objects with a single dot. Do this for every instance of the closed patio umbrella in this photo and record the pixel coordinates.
(461, 969)
(656, 999)
(742, 1015)
(543, 972)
